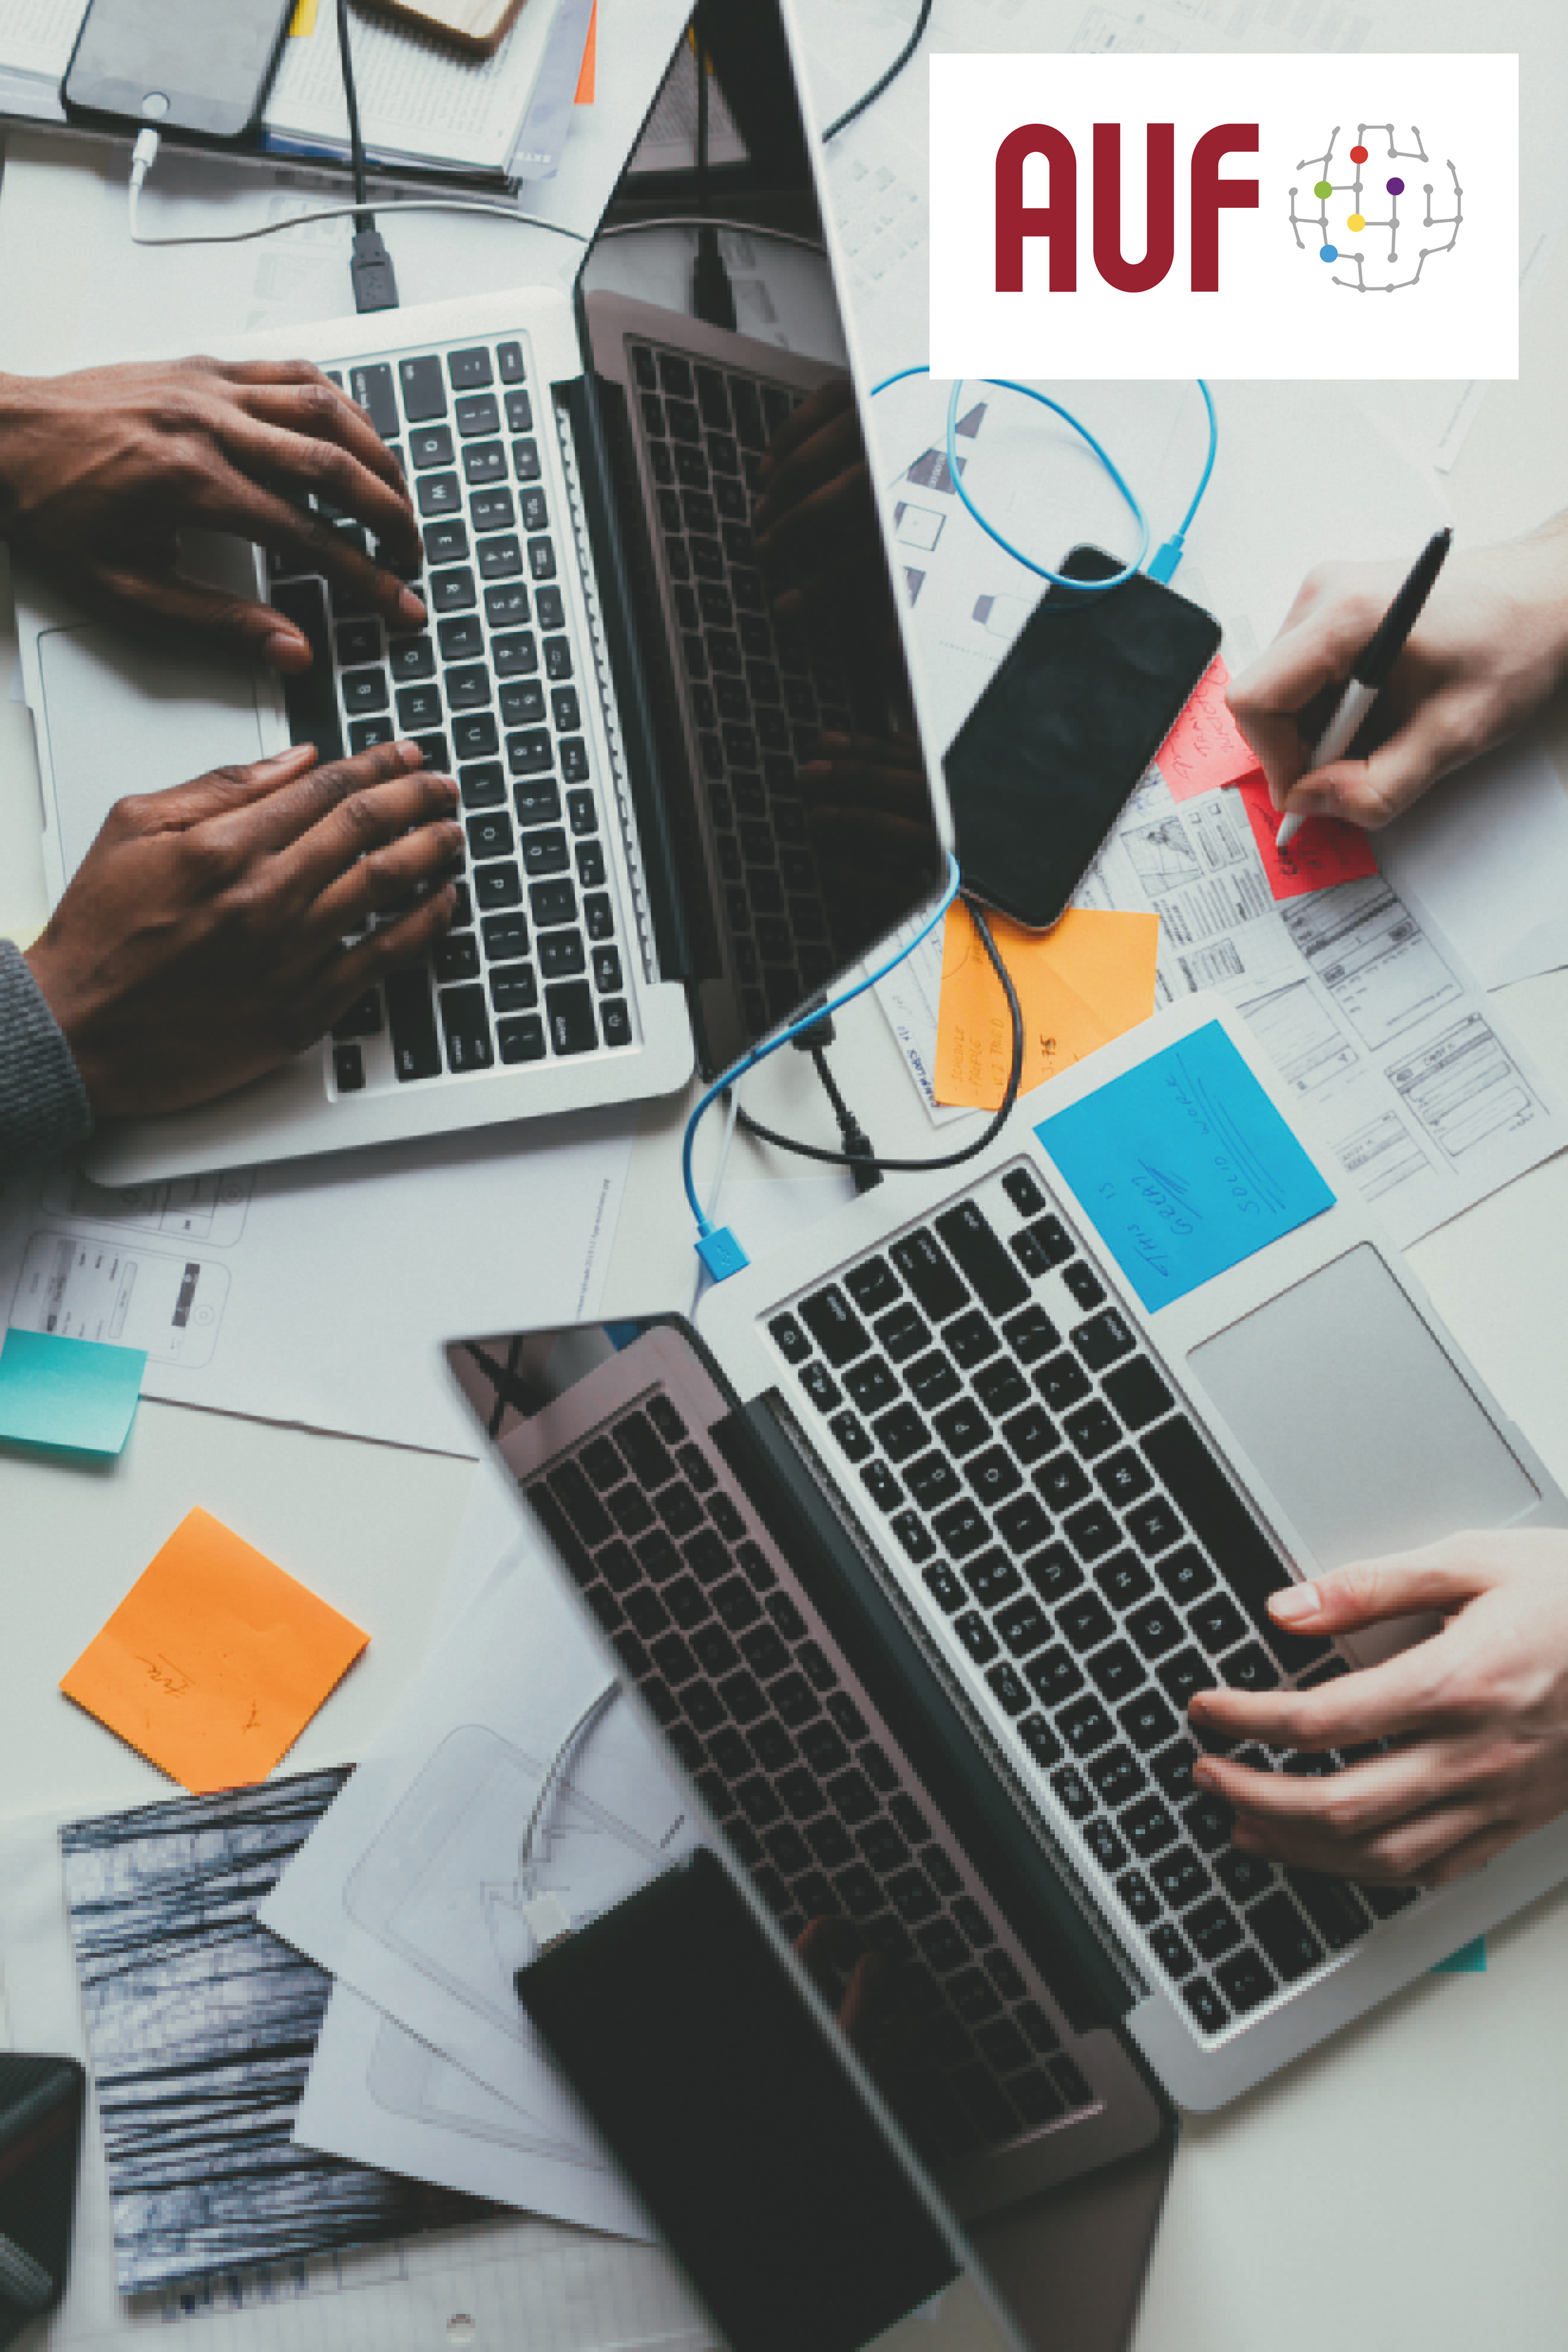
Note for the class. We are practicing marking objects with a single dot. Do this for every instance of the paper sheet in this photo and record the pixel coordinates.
(1323, 852)
(319, 1292)
(410, 1893)
(1486, 852)
(215, 1661)
(1205, 748)
(515, 2281)
(1089, 980)
(79, 1393)
(1184, 1167)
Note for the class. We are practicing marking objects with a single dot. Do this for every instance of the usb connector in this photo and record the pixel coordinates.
(375, 287)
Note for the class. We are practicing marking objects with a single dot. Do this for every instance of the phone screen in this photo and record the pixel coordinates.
(1043, 764)
(200, 65)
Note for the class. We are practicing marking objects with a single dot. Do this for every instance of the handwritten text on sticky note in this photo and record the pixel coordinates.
(215, 1661)
(1325, 851)
(1205, 748)
(1087, 980)
(75, 1393)
(1185, 1166)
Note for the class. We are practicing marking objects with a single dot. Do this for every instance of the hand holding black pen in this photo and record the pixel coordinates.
(1488, 648)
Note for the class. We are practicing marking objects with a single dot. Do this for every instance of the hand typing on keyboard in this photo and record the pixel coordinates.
(816, 522)
(1474, 1717)
(201, 940)
(100, 471)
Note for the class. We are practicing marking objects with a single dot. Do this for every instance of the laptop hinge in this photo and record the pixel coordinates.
(1010, 1854)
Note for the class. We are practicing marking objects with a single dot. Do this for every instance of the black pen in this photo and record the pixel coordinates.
(1369, 671)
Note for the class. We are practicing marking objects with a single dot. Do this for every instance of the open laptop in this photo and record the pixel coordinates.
(603, 672)
(915, 1546)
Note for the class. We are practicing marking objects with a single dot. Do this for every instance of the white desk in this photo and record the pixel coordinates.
(1401, 2187)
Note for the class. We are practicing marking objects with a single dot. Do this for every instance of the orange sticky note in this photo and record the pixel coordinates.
(1325, 851)
(1205, 748)
(215, 1661)
(1088, 981)
(590, 59)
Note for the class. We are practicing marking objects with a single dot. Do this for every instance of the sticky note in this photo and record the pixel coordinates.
(79, 1393)
(215, 1661)
(1205, 748)
(303, 20)
(1185, 1166)
(1469, 1961)
(584, 93)
(1079, 985)
(1325, 851)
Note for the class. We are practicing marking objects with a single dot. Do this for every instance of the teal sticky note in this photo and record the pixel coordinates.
(75, 1394)
(1186, 1166)
(1469, 1961)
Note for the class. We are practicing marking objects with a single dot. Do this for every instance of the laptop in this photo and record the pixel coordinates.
(912, 1547)
(605, 673)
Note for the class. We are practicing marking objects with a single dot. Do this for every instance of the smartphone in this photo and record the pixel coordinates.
(201, 67)
(1043, 765)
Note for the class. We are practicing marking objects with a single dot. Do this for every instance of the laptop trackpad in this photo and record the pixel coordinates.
(125, 718)
(1358, 1418)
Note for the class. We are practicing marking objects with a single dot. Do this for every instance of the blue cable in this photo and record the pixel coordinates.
(1168, 556)
(726, 1255)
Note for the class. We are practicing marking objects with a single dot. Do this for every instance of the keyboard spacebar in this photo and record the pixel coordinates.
(310, 696)
(1226, 1529)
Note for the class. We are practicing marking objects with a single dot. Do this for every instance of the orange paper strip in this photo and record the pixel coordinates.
(215, 1661)
(1325, 851)
(590, 60)
(1205, 748)
(1079, 985)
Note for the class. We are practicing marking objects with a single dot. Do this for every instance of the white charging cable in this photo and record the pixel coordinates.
(145, 152)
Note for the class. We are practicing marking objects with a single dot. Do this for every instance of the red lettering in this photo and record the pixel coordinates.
(1160, 235)
(1016, 220)
(1210, 193)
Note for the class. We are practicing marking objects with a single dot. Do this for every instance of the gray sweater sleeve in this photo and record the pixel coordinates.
(43, 1103)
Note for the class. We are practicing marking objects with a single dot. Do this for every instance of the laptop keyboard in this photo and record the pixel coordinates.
(1086, 1563)
(814, 1798)
(757, 691)
(493, 691)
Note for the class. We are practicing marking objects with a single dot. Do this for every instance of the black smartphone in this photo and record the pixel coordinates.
(1043, 765)
(201, 66)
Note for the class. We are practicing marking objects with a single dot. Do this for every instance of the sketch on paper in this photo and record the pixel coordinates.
(201, 2025)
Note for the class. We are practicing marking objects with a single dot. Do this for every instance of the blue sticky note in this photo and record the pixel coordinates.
(1469, 1961)
(75, 1394)
(1186, 1166)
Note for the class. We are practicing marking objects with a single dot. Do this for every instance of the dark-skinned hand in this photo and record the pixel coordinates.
(1477, 1715)
(100, 472)
(201, 941)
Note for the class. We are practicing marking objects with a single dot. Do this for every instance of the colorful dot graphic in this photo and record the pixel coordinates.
(1394, 187)
(1358, 154)
(1357, 222)
(1324, 188)
(1328, 253)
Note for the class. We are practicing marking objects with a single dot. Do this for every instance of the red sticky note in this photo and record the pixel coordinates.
(1205, 748)
(1325, 851)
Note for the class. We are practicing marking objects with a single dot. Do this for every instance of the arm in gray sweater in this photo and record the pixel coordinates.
(43, 1103)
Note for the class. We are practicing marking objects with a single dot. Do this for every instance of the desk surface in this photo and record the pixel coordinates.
(1392, 2188)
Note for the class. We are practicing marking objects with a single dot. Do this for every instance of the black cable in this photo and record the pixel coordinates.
(947, 1158)
(871, 96)
(713, 295)
(364, 219)
(374, 284)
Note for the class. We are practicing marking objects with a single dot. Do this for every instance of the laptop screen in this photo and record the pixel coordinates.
(784, 802)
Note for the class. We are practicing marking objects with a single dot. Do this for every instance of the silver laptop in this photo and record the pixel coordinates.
(915, 1546)
(603, 671)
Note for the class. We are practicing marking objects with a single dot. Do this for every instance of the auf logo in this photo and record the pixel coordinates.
(1351, 194)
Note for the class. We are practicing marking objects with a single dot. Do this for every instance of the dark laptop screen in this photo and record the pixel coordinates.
(783, 797)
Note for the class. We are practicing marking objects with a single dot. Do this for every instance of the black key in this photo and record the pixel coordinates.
(569, 1485)
(1101, 1340)
(1055, 1676)
(505, 938)
(1092, 1530)
(372, 388)
(1138, 1393)
(525, 460)
(1285, 1936)
(479, 413)
(569, 1016)
(992, 1578)
(993, 1475)
(963, 1427)
(490, 835)
(1062, 1381)
(1204, 2003)
(470, 369)
(1031, 1433)
(928, 1273)
(410, 658)
(851, 1436)
(834, 1325)
(1022, 1524)
(501, 557)
(561, 955)
(415, 1048)
(1332, 1907)
(1172, 1768)
(1040, 1739)
(1226, 1530)
(430, 445)
(450, 592)
(363, 1018)
(881, 1485)
(348, 1068)
(1115, 1671)
(971, 1339)
(1171, 1948)
(931, 1480)
(1001, 1388)
(1147, 1721)
(1181, 1878)
(976, 1636)
(1085, 1726)
(871, 1383)
(1154, 1526)
(552, 902)
(1091, 1429)
(1248, 1668)
(545, 853)
(931, 1380)
(1142, 1903)
(1009, 1691)
(1118, 1776)
(902, 1332)
(996, 1280)
(364, 734)
(1187, 1672)
(1219, 1624)
(1122, 1478)
(1084, 1284)
(1155, 1628)
(961, 1529)
(1054, 1572)
(1024, 1192)
(791, 1340)
(1386, 1900)
(944, 1588)
(1073, 1792)
(1148, 1828)
(308, 697)
(1184, 1573)
(912, 1535)
(507, 604)
(1032, 1334)
(464, 1018)
(873, 1285)
(498, 886)
(1245, 1980)
(1123, 1578)
(1105, 1845)
(1207, 1821)
(1024, 1625)
(439, 494)
(1242, 1876)
(1062, 1482)
(418, 707)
